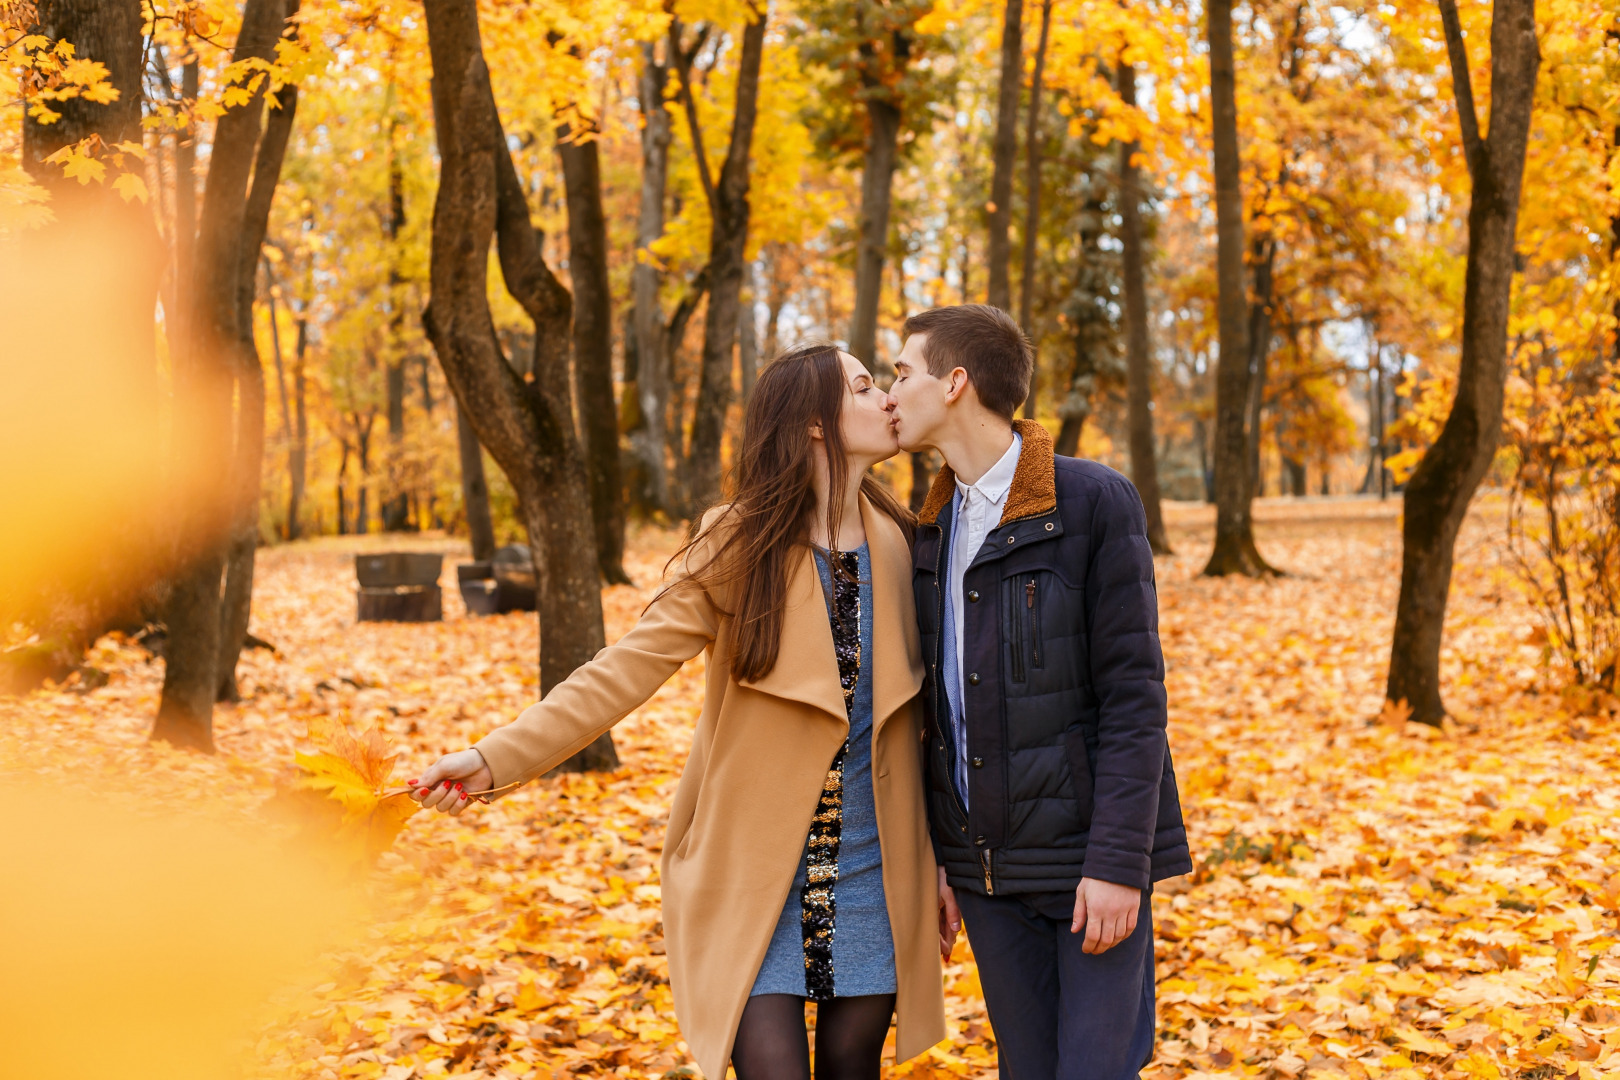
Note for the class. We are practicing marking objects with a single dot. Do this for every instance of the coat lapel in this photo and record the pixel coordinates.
(806, 668)
(897, 669)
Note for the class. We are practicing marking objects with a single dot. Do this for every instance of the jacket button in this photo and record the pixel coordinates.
(1010, 539)
(973, 596)
(973, 678)
(979, 841)
(1048, 526)
(978, 763)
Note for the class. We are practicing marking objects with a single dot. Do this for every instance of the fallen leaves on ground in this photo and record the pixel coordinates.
(1373, 898)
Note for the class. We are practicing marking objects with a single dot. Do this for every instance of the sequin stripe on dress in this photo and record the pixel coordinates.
(818, 904)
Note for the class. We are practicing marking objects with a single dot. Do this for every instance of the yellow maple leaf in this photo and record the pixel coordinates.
(353, 771)
(1395, 714)
(87, 73)
(1413, 1039)
(130, 187)
(83, 168)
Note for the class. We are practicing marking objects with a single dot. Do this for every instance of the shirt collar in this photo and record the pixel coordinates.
(998, 478)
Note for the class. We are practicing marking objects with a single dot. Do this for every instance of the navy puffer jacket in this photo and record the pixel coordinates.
(1070, 772)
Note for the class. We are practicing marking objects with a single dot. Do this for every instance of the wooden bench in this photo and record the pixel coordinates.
(399, 586)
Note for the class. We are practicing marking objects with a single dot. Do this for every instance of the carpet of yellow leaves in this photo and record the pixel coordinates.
(1372, 899)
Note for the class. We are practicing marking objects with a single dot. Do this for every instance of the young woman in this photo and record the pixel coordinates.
(797, 865)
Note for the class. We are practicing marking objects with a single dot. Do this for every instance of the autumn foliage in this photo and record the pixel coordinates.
(1372, 899)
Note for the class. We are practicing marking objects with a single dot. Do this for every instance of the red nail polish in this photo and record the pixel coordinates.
(410, 783)
(463, 796)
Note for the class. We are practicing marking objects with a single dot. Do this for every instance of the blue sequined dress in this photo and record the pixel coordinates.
(832, 938)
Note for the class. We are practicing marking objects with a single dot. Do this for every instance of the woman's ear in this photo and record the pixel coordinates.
(816, 434)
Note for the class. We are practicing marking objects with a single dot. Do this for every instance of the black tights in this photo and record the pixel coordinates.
(771, 1042)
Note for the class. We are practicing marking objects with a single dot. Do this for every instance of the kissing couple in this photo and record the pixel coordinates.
(909, 723)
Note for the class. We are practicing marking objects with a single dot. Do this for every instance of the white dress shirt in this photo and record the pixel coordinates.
(978, 510)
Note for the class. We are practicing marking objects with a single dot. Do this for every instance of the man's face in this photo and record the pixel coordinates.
(919, 398)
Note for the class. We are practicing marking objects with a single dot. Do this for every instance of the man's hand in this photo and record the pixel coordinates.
(950, 917)
(1107, 911)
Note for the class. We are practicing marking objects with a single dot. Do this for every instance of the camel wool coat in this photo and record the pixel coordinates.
(759, 757)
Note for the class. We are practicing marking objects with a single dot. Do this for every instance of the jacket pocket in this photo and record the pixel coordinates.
(1074, 745)
(1033, 591)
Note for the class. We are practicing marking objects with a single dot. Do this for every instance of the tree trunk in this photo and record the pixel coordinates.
(1234, 551)
(1294, 472)
(922, 476)
(248, 464)
(1265, 257)
(652, 363)
(877, 186)
(1138, 357)
(185, 210)
(747, 335)
(528, 428)
(593, 346)
(474, 491)
(727, 253)
(1376, 472)
(362, 495)
(1004, 149)
(298, 452)
(1438, 493)
(204, 375)
(395, 509)
(1075, 407)
(1032, 208)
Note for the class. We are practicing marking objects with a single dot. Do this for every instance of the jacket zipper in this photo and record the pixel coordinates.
(1017, 623)
(989, 884)
(1034, 602)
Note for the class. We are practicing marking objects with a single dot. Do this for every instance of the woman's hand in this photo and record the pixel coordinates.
(950, 917)
(445, 785)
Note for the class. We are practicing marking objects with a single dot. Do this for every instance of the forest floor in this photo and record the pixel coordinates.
(1372, 899)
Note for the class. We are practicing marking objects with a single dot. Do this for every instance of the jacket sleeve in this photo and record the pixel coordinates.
(1127, 674)
(680, 623)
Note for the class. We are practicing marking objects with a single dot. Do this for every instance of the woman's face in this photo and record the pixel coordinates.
(864, 419)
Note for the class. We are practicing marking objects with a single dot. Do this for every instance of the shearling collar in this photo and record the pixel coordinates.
(1034, 483)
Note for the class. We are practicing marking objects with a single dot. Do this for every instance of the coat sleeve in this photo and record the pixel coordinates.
(679, 623)
(1127, 673)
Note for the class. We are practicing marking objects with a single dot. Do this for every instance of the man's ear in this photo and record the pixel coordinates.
(956, 384)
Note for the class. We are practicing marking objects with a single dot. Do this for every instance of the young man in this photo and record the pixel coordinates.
(1051, 799)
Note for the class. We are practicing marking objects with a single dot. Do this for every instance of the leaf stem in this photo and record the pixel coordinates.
(481, 796)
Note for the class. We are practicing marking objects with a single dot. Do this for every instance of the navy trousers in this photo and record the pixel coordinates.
(1058, 1013)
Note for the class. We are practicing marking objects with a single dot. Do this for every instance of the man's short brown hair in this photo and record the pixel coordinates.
(985, 342)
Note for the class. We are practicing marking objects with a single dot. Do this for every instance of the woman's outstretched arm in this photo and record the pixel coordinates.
(676, 626)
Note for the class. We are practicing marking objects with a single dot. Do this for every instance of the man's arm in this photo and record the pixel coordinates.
(1127, 676)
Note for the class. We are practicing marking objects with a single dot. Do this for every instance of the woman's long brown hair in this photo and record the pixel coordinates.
(767, 523)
